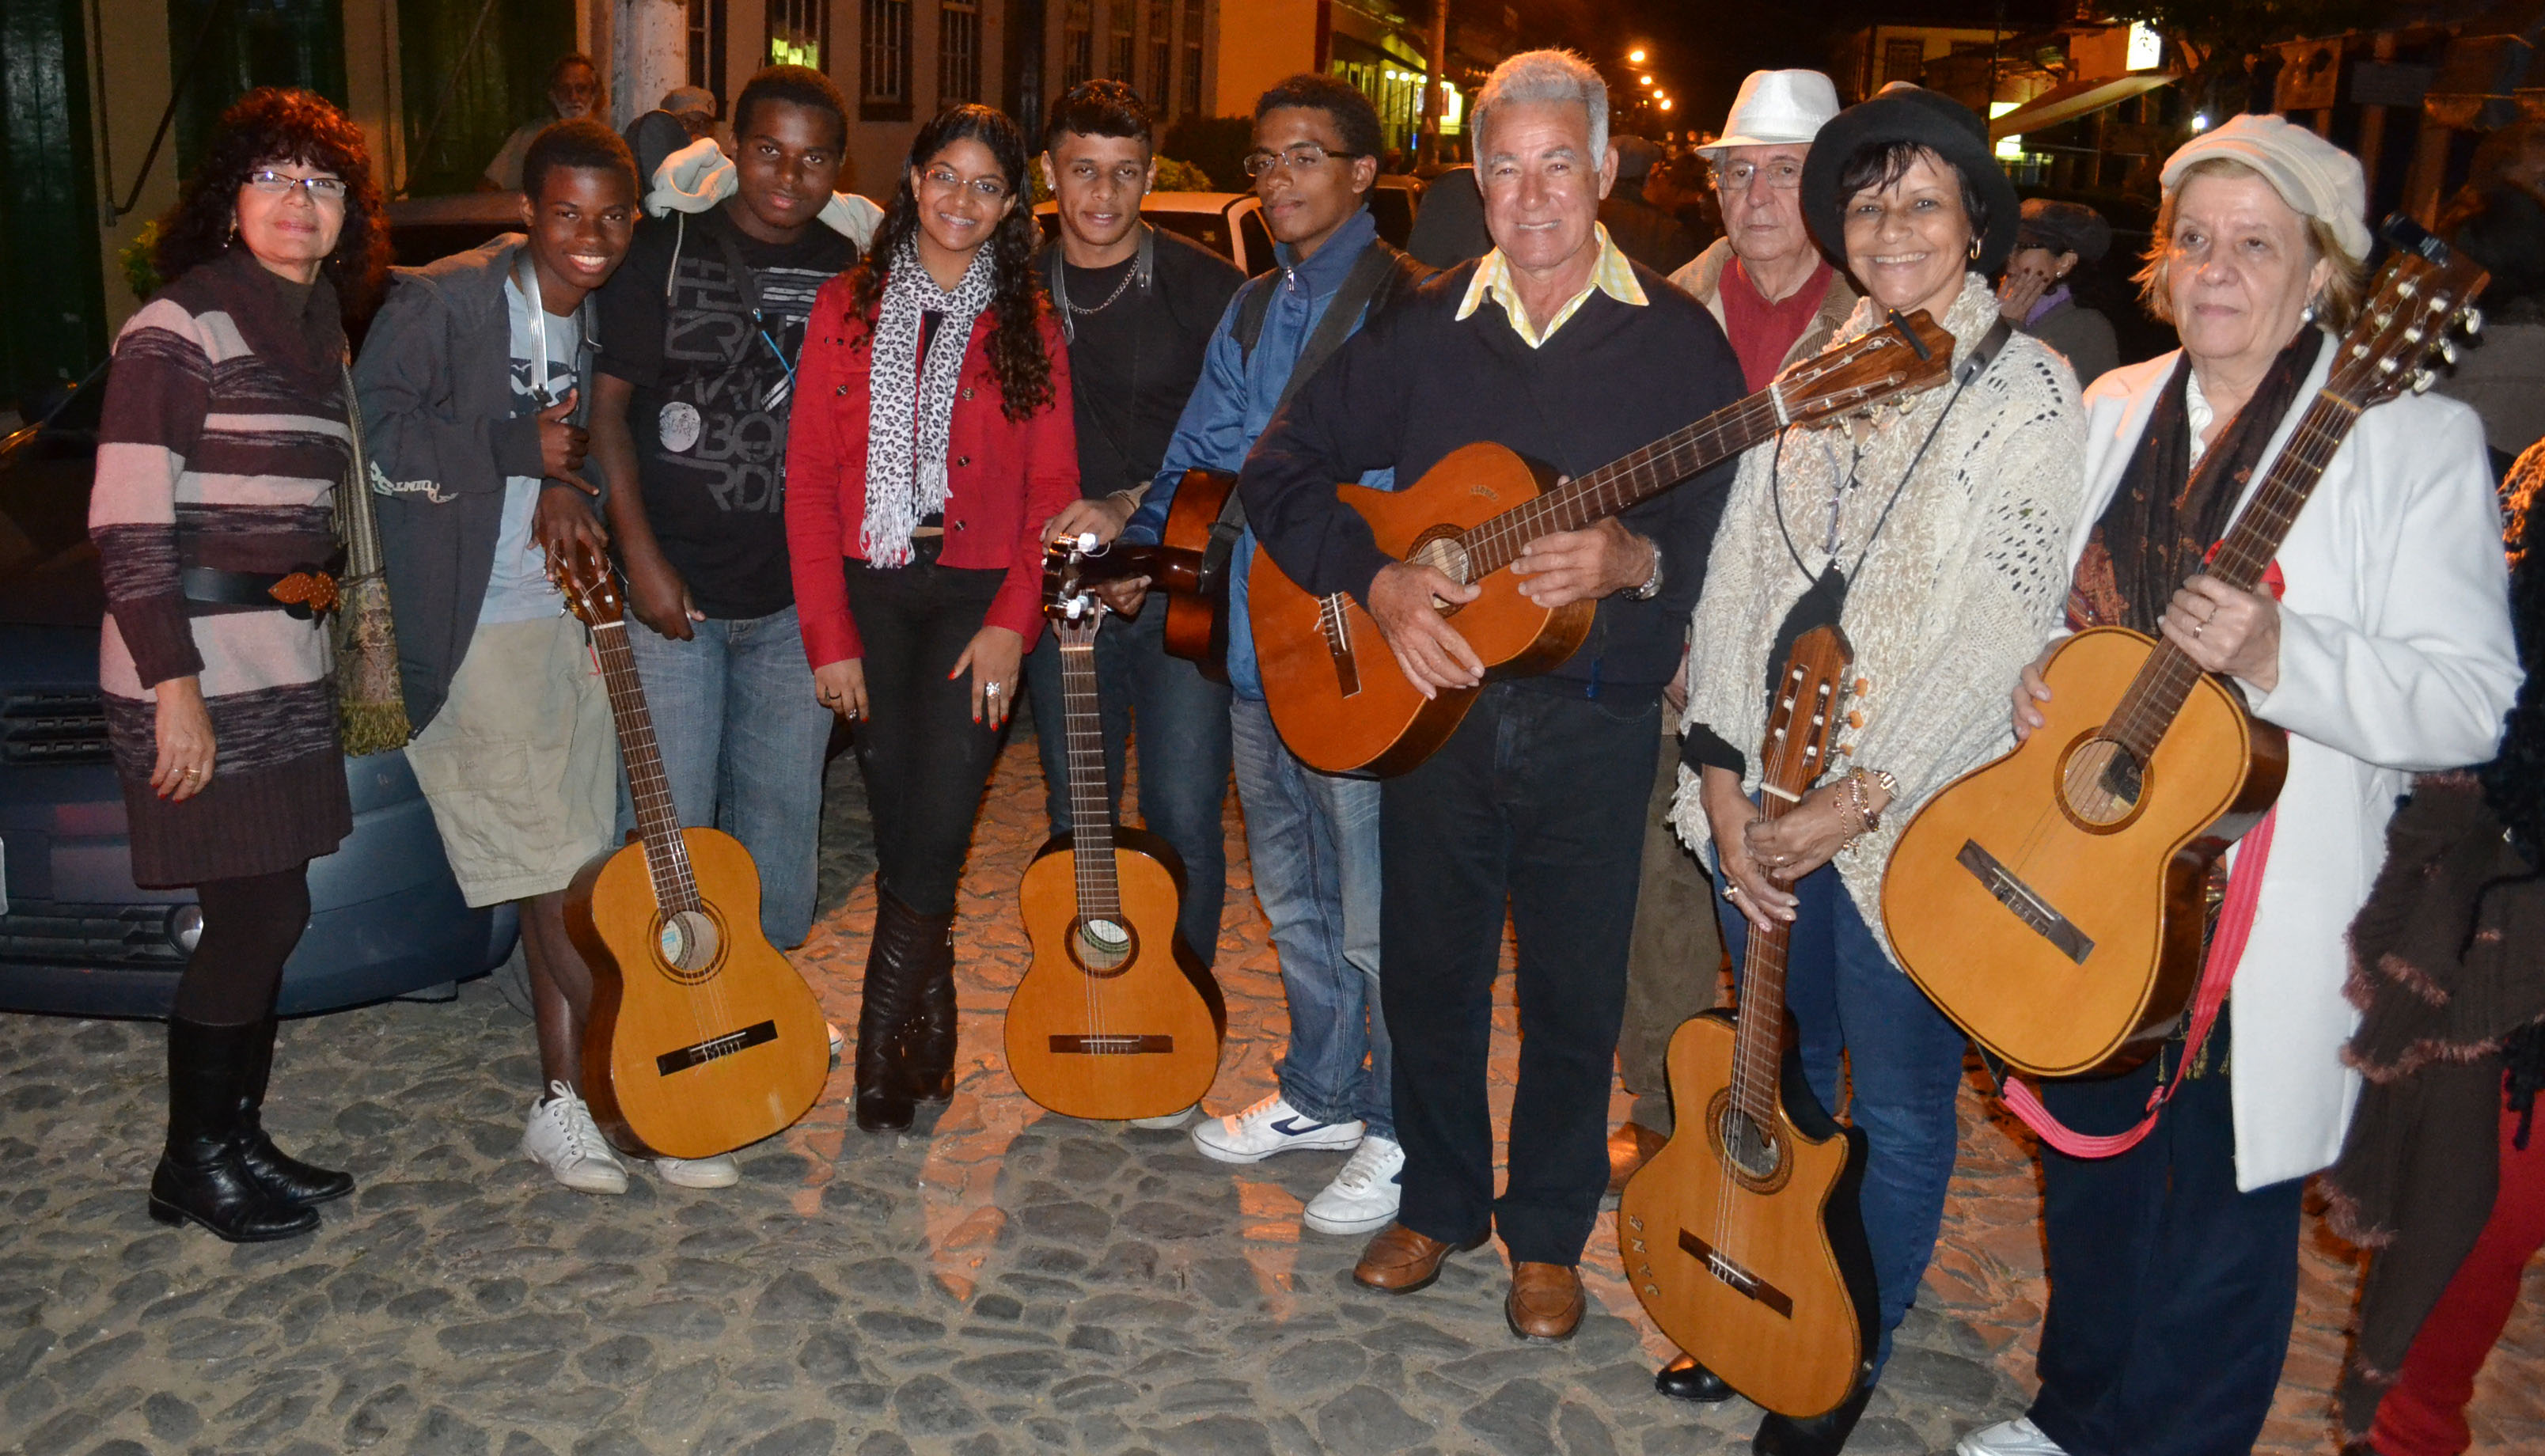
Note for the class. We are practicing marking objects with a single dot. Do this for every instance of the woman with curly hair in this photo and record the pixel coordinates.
(224, 440)
(932, 441)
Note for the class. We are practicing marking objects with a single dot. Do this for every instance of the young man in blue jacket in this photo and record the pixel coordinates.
(1313, 838)
(468, 382)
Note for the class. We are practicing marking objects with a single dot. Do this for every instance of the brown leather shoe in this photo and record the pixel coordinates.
(1545, 1303)
(1399, 1261)
(1630, 1147)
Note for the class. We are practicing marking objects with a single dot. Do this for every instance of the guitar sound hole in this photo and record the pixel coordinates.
(687, 941)
(2103, 781)
(1444, 553)
(1103, 946)
(1747, 1144)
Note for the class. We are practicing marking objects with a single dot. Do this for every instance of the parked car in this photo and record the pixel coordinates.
(76, 935)
(1393, 203)
(1229, 223)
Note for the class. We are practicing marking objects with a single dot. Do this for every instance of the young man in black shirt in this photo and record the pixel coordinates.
(1138, 305)
(700, 334)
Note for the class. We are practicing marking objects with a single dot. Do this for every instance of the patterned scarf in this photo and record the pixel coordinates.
(908, 428)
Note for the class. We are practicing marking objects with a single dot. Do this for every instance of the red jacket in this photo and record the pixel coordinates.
(1003, 479)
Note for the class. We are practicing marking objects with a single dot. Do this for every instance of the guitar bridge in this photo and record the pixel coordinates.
(1338, 629)
(716, 1048)
(1111, 1045)
(1743, 1281)
(2027, 904)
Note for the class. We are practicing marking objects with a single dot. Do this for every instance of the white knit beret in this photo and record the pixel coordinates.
(2312, 174)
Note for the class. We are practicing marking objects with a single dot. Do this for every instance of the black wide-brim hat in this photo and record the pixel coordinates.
(1931, 120)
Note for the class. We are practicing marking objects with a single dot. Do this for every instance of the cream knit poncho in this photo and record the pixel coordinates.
(1964, 584)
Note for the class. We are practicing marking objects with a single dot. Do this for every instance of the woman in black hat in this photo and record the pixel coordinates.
(2035, 297)
(1935, 533)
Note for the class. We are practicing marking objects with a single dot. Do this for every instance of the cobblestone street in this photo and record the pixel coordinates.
(1007, 1280)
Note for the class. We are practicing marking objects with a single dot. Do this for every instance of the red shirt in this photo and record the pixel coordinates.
(1762, 332)
(1004, 478)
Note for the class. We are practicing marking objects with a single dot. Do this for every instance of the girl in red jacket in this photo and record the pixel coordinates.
(931, 440)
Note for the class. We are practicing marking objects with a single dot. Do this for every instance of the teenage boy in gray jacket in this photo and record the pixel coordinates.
(468, 384)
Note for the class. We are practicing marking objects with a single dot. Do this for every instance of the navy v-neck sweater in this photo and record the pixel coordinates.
(1418, 383)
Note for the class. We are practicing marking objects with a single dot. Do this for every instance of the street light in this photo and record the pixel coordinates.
(1636, 55)
(1666, 106)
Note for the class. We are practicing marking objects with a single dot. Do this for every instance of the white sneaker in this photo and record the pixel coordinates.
(2016, 1437)
(1362, 1198)
(1168, 1122)
(563, 1139)
(1270, 1126)
(719, 1172)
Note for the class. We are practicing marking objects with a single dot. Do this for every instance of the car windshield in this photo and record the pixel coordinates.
(48, 569)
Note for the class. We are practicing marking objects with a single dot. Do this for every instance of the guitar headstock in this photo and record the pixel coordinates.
(2426, 292)
(1903, 356)
(591, 588)
(1069, 596)
(1804, 711)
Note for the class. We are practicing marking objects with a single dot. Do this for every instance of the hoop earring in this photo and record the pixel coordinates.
(1975, 250)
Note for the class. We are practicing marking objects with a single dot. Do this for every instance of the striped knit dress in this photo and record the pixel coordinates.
(223, 440)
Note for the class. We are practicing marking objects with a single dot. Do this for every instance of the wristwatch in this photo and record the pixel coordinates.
(1652, 586)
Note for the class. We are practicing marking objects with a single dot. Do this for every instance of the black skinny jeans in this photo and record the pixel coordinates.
(250, 927)
(925, 761)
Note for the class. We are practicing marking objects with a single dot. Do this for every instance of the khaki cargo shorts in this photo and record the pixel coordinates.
(521, 764)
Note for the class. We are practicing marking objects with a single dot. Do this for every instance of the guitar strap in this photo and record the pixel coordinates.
(2217, 977)
(1376, 276)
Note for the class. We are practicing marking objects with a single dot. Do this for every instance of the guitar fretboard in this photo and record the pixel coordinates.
(1090, 809)
(1621, 484)
(2164, 681)
(658, 822)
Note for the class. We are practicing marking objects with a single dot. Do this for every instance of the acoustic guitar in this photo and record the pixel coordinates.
(703, 1038)
(1741, 1235)
(1116, 1018)
(2051, 902)
(1336, 692)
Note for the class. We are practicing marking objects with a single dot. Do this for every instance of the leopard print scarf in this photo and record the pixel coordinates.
(907, 428)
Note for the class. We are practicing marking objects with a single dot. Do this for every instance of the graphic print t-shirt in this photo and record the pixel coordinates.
(711, 391)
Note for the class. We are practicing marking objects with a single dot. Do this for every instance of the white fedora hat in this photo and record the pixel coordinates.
(1776, 107)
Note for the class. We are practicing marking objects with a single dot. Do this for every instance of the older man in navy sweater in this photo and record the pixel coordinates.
(1558, 347)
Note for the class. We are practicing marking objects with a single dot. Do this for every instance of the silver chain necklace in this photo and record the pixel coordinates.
(1129, 268)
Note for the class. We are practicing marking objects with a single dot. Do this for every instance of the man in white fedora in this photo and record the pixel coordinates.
(1778, 301)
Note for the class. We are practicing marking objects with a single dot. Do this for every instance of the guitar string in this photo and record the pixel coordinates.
(705, 1007)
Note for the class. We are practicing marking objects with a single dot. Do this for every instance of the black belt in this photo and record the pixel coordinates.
(306, 591)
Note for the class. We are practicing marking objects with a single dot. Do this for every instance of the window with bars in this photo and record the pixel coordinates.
(1903, 59)
(883, 61)
(1127, 49)
(799, 32)
(1077, 44)
(1162, 52)
(707, 44)
(958, 51)
(1192, 58)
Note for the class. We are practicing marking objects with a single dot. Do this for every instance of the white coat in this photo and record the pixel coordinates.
(2396, 659)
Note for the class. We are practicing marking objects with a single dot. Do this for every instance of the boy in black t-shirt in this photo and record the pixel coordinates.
(700, 329)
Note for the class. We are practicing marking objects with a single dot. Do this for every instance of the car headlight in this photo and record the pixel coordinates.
(186, 926)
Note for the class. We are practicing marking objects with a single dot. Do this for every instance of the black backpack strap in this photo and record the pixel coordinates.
(1250, 314)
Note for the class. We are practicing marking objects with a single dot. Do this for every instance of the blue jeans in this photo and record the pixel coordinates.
(1313, 839)
(1182, 718)
(743, 741)
(1904, 1065)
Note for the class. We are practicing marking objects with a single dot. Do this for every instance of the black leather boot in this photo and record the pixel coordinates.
(281, 1174)
(887, 1011)
(201, 1178)
(928, 1064)
(1822, 1435)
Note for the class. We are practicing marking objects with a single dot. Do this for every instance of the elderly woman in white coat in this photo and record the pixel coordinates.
(2386, 653)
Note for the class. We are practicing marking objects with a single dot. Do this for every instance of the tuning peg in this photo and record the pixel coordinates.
(2471, 319)
(2448, 350)
(2422, 380)
(2388, 365)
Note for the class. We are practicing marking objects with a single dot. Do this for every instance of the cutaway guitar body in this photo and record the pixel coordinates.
(2056, 919)
(1116, 1018)
(692, 1060)
(1748, 1250)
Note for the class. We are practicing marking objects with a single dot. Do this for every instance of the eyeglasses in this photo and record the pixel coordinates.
(947, 179)
(279, 184)
(1307, 157)
(1737, 175)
